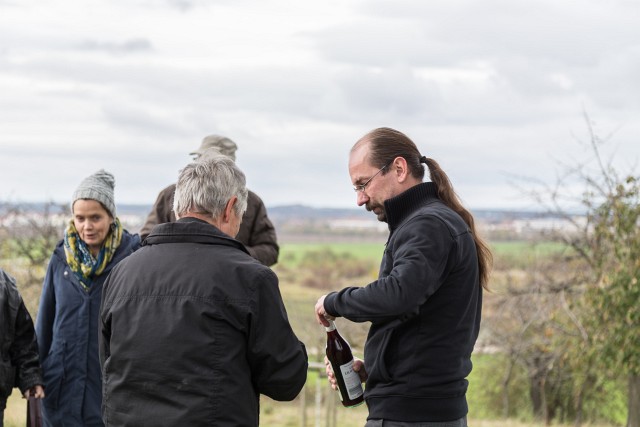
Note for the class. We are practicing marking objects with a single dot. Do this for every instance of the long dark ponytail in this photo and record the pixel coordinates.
(450, 198)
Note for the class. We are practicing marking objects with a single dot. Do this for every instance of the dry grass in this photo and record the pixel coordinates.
(16, 413)
(289, 414)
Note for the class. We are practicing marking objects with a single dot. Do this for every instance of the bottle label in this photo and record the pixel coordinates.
(351, 380)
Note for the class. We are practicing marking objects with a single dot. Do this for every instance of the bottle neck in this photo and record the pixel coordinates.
(331, 327)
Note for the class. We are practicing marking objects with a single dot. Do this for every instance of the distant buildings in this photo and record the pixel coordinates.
(297, 221)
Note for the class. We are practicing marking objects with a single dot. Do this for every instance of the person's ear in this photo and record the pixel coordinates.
(229, 208)
(400, 169)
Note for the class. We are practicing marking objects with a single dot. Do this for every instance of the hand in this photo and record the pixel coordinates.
(321, 314)
(37, 391)
(330, 376)
(358, 366)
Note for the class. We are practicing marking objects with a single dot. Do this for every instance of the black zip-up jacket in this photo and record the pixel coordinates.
(193, 329)
(424, 311)
(19, 364)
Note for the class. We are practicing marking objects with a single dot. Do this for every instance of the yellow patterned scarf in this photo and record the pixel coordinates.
(83, 264)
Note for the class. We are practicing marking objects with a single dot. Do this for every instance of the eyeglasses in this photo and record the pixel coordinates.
(361, 187)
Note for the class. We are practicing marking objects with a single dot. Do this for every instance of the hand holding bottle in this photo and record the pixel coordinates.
(358, 366)
(321, 315)
(338, 352)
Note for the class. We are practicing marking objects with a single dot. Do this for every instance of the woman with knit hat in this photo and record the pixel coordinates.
(67, 323)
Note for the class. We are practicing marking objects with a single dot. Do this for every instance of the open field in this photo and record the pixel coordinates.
(292, 252)
(300, 299)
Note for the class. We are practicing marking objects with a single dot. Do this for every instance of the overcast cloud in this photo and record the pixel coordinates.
(491, 89)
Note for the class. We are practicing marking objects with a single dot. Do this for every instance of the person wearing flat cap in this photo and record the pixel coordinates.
(67, 322)
(257, 232)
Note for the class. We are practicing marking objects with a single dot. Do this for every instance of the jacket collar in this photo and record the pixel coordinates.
(398, 208)
(190, 230)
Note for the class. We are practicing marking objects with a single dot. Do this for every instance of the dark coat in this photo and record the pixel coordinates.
(257, 233)
(424, 311)
(67, 328)
(19, 364)
(193, 330)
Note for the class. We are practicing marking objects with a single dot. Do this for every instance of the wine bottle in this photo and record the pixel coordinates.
(341, 359)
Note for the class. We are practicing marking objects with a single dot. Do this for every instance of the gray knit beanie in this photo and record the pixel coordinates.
(99, 187)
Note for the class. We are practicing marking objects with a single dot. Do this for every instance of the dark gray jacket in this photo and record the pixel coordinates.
(19, 365)
(424, 311)
(193, 329)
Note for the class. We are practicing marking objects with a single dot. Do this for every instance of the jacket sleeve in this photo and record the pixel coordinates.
(421, 260)
(46, 311)
(277, 358)
(24, 351)
(161, 211)
(262, 241)
(104, 324)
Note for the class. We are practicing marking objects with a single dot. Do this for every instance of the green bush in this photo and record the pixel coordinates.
(487, 396)
(488, 400)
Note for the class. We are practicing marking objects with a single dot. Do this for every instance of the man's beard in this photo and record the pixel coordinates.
(381, 215)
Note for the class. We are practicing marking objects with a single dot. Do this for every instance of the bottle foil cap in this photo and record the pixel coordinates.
(331, 327)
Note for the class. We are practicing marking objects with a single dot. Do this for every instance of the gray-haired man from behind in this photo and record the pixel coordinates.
(257, 232)
(193, 328)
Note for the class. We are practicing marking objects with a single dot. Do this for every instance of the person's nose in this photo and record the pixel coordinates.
(361, 198)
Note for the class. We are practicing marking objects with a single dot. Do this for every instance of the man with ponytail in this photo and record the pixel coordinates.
(425, 306)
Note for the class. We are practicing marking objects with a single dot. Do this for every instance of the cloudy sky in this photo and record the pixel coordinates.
(491, 89)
